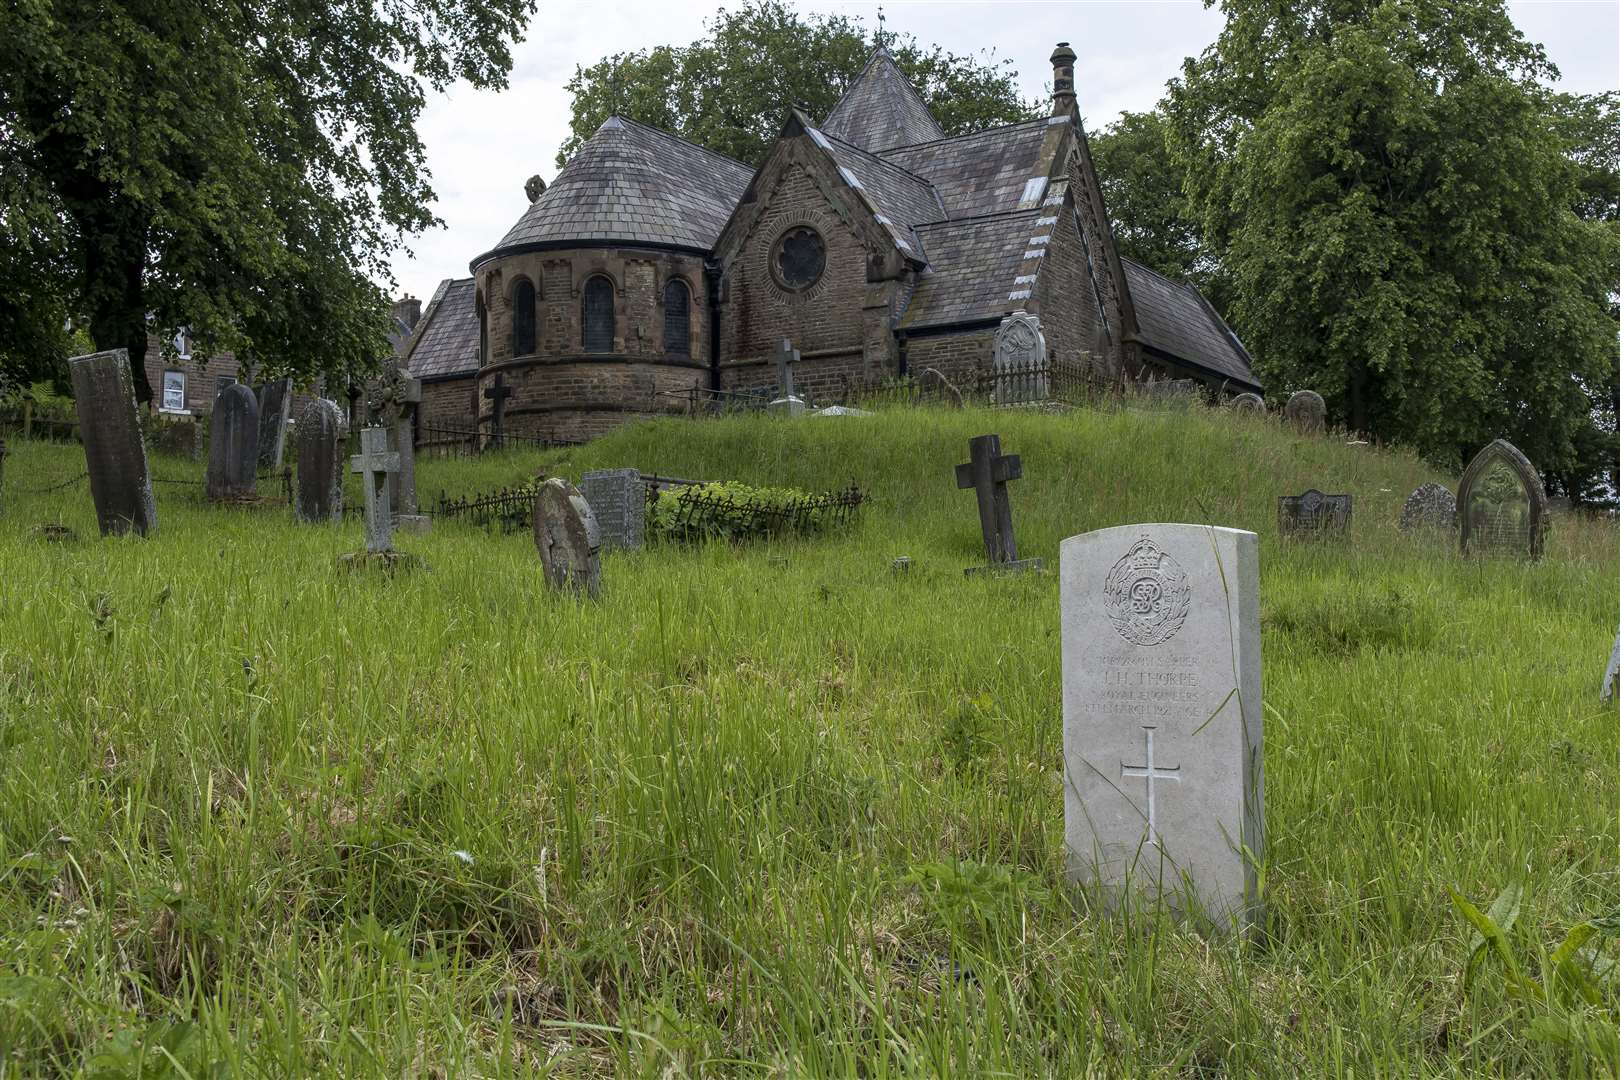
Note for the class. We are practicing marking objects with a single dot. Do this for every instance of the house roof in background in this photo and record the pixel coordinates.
(1173, 318)
(446, 340)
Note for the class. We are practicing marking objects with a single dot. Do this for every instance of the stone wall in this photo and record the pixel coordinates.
(572, 398)
(1065, 297)
(959, 357)
(449, 402)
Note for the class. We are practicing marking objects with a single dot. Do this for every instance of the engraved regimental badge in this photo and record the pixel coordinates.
(1146, 595)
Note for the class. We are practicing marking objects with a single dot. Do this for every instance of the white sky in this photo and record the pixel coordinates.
(482, 146)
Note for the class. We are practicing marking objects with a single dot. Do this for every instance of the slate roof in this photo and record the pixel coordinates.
(973, 267)
(1175, 319)
(988, 172)
(446, 339)
(900, 200)
(633, 183)
(881, 109)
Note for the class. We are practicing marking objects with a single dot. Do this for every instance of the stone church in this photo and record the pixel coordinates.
(652, 270)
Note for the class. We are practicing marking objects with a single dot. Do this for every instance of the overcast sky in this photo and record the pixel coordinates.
(481, 146)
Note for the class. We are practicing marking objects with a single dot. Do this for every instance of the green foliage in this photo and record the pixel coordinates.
(734, 512)
(730, 90)
(1396, 202)
(240, 171)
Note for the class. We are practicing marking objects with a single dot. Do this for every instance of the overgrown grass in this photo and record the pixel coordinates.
(741, 818)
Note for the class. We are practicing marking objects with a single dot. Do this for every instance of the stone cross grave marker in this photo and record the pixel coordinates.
(398, 396)
(566, 535)
(1313, 515)
(1609, 673)
(1430, 506)
(497, 393)
(1019, 361)
(233, 445)
(114, 453)
(787, 402)
(1307, 412)
(1501, 505)
(319, 496)
(618, 498)
(1162, 769)
(376, 463)
(275, 405)
(987, 472)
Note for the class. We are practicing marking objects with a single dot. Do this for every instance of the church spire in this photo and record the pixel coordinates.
(881, 109)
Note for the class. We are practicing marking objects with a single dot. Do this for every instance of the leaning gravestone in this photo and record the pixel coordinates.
(618, 498)
(1249, 403)
(988, 472)
(319, 495)
(1313, 516)
(114, 454)
(233, 446)
(1430, 506)
(569, 542)
(1162, 732)
(1018, 364)
(275, 405)
(1501, 505)
(1307, 412)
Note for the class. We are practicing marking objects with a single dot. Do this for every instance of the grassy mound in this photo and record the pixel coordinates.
(748, 818)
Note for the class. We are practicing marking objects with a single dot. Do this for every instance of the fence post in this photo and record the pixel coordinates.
(28, 419)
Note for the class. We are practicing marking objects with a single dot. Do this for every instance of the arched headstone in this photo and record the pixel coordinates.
(567, 536)
(114, 450)
(1249, 403)
(319, 498)
(1019, 364)
(233, 445)
(1501, 505)
(1430, 506)
(1307, 412)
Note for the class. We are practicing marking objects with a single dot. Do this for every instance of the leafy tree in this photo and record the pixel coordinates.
(1395, 198)
(241, 170)
(727, 90)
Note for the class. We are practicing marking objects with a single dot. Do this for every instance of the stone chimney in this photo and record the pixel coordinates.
(1062, 80)
(408, 310)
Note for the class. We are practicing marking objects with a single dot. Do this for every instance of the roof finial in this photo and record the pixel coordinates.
(883, 35)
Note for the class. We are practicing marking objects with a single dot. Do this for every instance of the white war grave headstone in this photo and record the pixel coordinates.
(1163, 789)
(114, 452)
(1019, 362)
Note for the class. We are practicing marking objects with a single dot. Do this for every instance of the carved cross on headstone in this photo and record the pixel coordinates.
(497, 394)
(987, 474)
(375, 463)
(1150, 773)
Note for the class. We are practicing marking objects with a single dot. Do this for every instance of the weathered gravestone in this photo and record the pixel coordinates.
(319, 496)
(1609, 673)
(787, 402)
(396, 398)
(987, 473)
(1430, 506)
(565, 532)
(1307, 412)
(233, 446)
(375, 463)
(114, 454)
(1313, 515)
(618, 498)
(496, 393)
(275, 406)
(1501, 505)
(1249, 403)
(1018, 365)
(1162, 734)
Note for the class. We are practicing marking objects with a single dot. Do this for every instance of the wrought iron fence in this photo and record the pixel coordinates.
(711, 511)
(511, 509)
(451, 441)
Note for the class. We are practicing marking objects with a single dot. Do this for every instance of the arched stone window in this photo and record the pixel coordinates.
(523, 317)
(597, 321)
(677, 318)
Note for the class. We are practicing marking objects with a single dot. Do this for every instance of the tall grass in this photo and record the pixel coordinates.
(755, 819)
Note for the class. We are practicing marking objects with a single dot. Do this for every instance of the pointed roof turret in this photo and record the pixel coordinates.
(881, 109)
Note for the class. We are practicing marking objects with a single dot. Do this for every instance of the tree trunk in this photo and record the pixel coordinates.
(1356, 421)
(114, 281)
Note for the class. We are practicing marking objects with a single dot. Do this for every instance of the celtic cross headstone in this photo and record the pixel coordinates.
(787, 402)
(1162, 733)
(988, 472)
(233, 445)
(376, 463)
(114, 451)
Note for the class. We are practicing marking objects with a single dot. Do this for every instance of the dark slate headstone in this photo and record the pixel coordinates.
(1431, 506)
(618, 498)
(233, 445)
(1307, 412)
(1313, 515)
(565, 533)
(114, 453)
(988, 472)
(319, 496)
(1501, 505)
(275, 404)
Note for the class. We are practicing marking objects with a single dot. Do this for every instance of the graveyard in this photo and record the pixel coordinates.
(785, 807)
